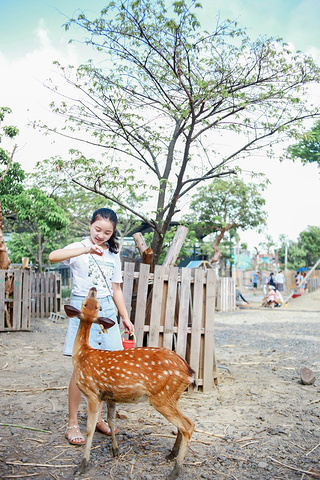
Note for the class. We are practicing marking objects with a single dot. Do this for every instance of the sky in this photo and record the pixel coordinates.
(32, 37)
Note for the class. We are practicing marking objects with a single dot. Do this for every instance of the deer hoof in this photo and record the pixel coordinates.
(175, 472)
(115, 452)
(173, 454)
(82, 467)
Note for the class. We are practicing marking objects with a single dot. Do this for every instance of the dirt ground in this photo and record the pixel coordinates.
(260, 423)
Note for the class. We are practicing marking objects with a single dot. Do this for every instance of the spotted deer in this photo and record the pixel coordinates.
(127, 376)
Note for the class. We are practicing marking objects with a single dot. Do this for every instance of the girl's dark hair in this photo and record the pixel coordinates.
(108, 214)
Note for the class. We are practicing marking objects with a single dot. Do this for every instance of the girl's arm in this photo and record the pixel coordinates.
(119, 301)
(66, 253)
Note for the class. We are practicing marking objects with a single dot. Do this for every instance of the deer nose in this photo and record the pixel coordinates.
(93, 292)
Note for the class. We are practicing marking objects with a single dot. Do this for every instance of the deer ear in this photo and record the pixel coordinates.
(105, 322)
(71, 311)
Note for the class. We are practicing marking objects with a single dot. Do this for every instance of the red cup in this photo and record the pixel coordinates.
(127, 343)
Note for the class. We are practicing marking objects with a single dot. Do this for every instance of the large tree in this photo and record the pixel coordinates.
(162, 93)
(227, 206)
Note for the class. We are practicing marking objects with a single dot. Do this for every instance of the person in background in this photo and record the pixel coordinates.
(302, 285)
(255, 278)
(272, 280)
(280, 279)
(240, 300)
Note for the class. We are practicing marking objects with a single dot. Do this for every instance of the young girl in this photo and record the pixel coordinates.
(95, 262)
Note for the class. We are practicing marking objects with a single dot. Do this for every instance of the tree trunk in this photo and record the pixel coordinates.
(4, 258)
(156, 246)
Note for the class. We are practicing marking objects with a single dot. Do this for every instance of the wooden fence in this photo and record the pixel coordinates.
(226, 294)
(25, 294)
(175, 308)
(313, 284)
(15, 300)
(45, 294)
(171, 307)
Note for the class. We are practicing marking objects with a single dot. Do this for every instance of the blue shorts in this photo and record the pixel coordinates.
(97, 339)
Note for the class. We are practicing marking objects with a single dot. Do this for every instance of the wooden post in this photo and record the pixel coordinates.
(145, 251)
(176, 246)
(25, 263)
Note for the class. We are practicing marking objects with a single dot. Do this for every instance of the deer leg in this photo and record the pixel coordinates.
(93, 404)
(175, 450)
(185, 430)
(111, 415)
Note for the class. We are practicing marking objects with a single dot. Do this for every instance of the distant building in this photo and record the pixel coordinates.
(245, 259)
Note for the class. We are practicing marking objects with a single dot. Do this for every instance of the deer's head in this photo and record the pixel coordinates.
(89, 311)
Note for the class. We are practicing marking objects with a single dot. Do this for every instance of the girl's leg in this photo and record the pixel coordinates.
(73, 433)
(103, 426)
(73, 401)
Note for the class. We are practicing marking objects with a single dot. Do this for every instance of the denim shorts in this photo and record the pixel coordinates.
(97, 339)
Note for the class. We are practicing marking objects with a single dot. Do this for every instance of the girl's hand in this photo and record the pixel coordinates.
(96, 249)
(128, 326)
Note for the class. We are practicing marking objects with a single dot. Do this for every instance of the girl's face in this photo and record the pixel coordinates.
(100, 231)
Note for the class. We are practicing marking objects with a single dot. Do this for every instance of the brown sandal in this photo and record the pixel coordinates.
(104, 428)
(78, 436)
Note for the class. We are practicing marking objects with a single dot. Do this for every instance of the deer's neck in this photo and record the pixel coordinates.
(81, 342)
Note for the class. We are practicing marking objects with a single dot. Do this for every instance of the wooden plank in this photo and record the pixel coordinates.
(175, 246)
(141, 303)
(157, 297)
(37, 295)
(183, 315)
(30, 274)
(2, 298)
(170, 308)
(33, 296)
(127, 288)
(50, 293)
(209, 356)
(196, 320)
(46, 295)
(42, 295)
(25, 313)
(57, 293)
(17, 289)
